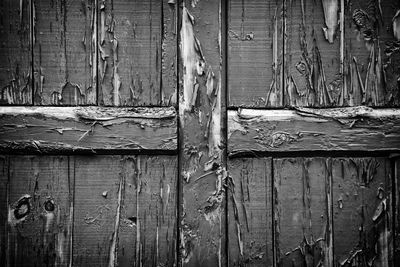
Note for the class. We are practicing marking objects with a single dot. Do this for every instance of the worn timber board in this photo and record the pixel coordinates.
(64, 52)
(255, 54)
(39, 229)
(147, 233)
(86, 129)
(15, 52)
(250, 212)
(201, 117)
(362, 211)
(302, 212)
(396, 209)
(305, 129)
(4, 164)
(137, 52)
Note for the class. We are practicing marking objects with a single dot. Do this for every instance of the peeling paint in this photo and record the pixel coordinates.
(331, 8)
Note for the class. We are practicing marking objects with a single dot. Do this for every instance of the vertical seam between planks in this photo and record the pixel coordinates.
(32, 35)
(283, 84)
(224, 5)
(179, 198)
(8, 207)
(96, 48)
(273, 212)
(393, 174)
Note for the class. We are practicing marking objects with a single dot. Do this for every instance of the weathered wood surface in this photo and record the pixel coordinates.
(396, 189)
(255, 60)
(86, 129)
(15, 52)
(303, 212)
(97, 207)
(306, 129)
(39, 229)
(64, 52)
(147, 232)
(137, 53)
(335, 53)
(250, 212)
(201, 96)
(362, 207)
(4, 164)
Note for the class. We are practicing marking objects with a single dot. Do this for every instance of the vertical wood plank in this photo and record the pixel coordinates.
(65, 62)
(3, 209)
(250, 212)
(15, 52)
(201, 102)
(130, 53)
(169, 96)
(313, 74)
(147, 231)
(302, 212)
(372, 53)
(255, 53)
(396, 178)
(39, 212)
(98, 185)
(362, 211)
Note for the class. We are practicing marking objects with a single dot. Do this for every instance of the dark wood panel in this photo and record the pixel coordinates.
(15, 52)
(255, 59)
(86, 129)
(201, 116)
(305, 129)
(4, 163)
(371, 53)
(362, 211)
(40, 211)
(302, 212)
(313, 74)
(147, 229)
(98, 194)
(396, 211)
(250, 212)
(137, 55)
(65, 62)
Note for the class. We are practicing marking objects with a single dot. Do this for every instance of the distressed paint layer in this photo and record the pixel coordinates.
(50, 129)
(250, 212)
(64, 52)
(362, 200)
(131, 54)
(306, 129)
(255, 53)
(39, 230)
(200, 112)
(302, 216)
(15, 53)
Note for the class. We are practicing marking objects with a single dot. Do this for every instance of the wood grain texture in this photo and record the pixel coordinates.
(250, 212)
(147, 231)
(255, 32)
(312, 53)
(201, 114)
(15, 52)
(137, 53)
(40, 211)
(64, 52)
(362, 212)
(86, 129)
(396, 250)
(371, 53)
(302, 212)
(304, 129)
(98, 182)
(4, 164)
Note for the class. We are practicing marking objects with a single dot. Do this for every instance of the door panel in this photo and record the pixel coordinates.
(249, 212)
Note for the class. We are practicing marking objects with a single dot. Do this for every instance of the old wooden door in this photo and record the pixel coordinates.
(199, 133)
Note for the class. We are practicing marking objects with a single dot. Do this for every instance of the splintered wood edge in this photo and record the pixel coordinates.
(60, 130)
(306, 129)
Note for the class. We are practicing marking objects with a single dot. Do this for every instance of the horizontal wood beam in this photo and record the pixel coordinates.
(305, 129)
(87, 129)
